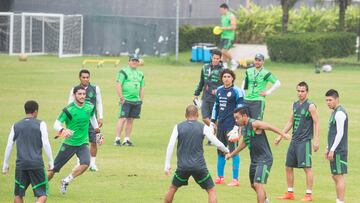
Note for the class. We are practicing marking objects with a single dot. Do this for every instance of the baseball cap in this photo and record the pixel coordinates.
(134, 57)
(259, 56)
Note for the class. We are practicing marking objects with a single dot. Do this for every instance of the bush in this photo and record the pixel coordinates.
(190, 35)
(310, 47)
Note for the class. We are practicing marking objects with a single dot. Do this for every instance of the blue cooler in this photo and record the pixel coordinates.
(194, 54)
(208, 53)
(200, 52)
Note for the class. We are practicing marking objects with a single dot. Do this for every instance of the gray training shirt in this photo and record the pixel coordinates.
(303, 122)
(258, 144)
(343, 145)
(27, 135)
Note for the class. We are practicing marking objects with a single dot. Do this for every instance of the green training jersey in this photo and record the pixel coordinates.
(226, 22)
(131, 80)
(255, 83)
(77, 119)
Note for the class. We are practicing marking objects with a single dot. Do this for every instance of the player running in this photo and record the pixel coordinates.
(76, 116)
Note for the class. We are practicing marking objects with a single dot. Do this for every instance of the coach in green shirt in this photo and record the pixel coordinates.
(255, 81)
(130, 89)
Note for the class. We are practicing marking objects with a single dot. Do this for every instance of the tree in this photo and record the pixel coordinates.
(343, 4)
(286, 5)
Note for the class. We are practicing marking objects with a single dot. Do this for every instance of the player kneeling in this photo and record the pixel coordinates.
(190, 155)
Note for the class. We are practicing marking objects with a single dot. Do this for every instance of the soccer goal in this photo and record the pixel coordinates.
(41, 33)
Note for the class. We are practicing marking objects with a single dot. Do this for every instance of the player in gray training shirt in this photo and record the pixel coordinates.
(337, 147)
(305, 123)
(190, 155)
(30, 136)
(260, 153)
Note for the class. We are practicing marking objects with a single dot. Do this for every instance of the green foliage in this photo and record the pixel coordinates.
(310, 47)
(190, 35)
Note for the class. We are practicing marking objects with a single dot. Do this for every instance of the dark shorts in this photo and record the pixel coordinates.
(66, 152)
(339, 164)
(226, 44)
(206, 109)
(36, 177)
(259, 172)
(256, 109)
(222, 137)
(129, 110)
(299, 155)
(202, 177)
(92, 134)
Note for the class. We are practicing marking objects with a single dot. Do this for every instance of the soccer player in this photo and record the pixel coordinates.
(337, 147)
(255, 81)
(76, 116)
(260, 153)
(30, 136)
(305, 123)
(209, 82)
(228, 98)
(93, 96)
(190, 155)
(227, 37)
(130, 89)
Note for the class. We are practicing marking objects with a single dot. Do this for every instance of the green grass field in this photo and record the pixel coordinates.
(136, 174)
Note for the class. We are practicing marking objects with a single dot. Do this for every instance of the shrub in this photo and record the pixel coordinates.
(190, 35)
(310, 47)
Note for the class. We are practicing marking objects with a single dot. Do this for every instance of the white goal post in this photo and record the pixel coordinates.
(41, 33)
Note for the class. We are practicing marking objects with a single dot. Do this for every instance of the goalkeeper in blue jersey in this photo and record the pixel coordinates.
(228, 98)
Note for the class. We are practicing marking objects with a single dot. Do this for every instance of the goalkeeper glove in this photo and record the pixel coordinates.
(233, 135)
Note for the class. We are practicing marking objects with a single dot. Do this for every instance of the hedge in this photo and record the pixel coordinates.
(189, 35)
(310, 47)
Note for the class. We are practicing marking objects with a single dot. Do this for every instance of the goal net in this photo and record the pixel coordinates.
(43, 33)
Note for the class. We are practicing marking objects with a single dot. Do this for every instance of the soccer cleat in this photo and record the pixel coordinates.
(233, 183)
(307, 198)
(287, 196)
(117, 143)
(93, 168)
(127, 143)
(63, 187)
(219, 180)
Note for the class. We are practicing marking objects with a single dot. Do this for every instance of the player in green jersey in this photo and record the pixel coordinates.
(227, 37)
(130, 89)
(76, 116)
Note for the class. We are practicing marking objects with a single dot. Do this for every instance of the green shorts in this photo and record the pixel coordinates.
(37, 178)
(299, 155)
(259, 172)
(202, 177)
(226, 44)
(339, 164)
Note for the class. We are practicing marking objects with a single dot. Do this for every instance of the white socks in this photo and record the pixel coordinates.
(339, 201)
(69, 178)
(126, 139)
(290, 189)
(92, 161)
(308, 191)
(117, 138)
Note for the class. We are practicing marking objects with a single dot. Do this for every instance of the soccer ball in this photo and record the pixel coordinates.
(326, 68)
(23, 57)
